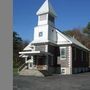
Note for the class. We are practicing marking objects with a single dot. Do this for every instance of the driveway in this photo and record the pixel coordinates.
(55, 82)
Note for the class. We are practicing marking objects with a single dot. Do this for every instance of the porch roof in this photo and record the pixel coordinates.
(35, 53)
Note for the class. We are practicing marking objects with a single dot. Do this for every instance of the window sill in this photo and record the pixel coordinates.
(62, 58)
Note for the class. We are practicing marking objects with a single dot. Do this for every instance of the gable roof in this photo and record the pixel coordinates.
(46, 8)
(64, 36)
(28, 47)
(72, 40)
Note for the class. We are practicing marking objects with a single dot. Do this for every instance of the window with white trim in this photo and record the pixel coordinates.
(62, 71)
(42, 17)
(62, 53)
(40, 34)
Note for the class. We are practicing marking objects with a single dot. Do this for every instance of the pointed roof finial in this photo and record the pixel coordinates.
(46, 8)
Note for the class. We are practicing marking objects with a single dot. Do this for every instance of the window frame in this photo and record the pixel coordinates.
(40, 34)
(43, 17)
(82, 56)
(63, 71)
(63, 57)
(51, 18)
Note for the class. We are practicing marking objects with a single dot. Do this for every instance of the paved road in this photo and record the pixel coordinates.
(56, 82)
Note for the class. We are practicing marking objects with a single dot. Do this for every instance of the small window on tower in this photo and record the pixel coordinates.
(51, 18)
(42, 17)
(40, 34)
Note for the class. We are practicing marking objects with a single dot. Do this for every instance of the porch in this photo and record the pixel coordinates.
(36, 59)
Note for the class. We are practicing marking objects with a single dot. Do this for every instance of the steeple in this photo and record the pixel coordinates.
(45, 31)
(46, 8)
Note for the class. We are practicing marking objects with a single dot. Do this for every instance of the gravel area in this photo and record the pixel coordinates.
(55, 82)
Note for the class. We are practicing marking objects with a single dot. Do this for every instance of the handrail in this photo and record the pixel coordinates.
(20, 68)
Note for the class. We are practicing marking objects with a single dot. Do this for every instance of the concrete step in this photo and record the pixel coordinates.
(30, 72)
(34, 72)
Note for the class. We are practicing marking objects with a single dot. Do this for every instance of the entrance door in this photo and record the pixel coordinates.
(41, 60)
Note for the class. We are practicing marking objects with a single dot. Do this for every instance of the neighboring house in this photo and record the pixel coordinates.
(52, 50)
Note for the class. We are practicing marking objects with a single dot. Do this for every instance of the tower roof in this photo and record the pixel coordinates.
(46, 8)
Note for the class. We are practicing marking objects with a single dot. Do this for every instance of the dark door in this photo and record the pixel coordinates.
(41, 60)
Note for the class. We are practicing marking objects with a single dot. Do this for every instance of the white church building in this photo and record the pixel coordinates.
(51, 50)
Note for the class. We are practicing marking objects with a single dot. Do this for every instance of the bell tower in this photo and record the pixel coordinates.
(46, 20)
(46, 14)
